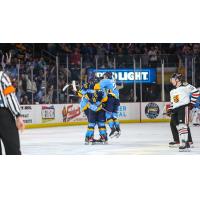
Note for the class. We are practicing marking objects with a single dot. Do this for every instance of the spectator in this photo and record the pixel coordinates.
(75, 58)
(42, 62)
(25, 101)
(28, 87)
(101, 54)
(49, 96)
(131, 96)
(145, 58)
(153, 57)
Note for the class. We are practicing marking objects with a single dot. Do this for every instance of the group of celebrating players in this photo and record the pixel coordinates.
(100, 103)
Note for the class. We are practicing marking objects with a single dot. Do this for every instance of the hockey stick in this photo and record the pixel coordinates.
(65, 87)
(106, 110)
(73, 84)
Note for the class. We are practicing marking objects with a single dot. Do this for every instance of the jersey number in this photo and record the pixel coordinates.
(114, 86)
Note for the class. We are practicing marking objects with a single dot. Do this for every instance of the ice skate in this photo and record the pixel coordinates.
(191, 144)
(90, 140)
(185, 147)
(117, 135)
(112, 133)
(174, 144)
(115, 132)
(102, 140)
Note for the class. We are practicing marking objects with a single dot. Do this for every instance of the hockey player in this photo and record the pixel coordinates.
(86, 87)
(108, 83)
(91, 104)
(180, 105)
(112, 105)
(175, 134)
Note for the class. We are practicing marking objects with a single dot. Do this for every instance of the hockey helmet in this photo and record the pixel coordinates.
(108, 75)
(177, 76)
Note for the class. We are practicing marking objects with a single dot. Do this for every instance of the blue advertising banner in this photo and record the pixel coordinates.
(145, 75)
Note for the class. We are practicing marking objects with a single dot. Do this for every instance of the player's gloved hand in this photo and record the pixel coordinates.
(85, 86)
(99, 107)
(190, 106)
(169, 112)
(98, 103)
(103, 105)
(93, 107)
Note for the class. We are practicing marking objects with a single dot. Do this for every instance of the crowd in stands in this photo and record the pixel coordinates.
(32, 67)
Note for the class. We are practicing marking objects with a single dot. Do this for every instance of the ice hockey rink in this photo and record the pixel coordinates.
(136, 139)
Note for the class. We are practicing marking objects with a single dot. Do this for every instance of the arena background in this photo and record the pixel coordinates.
(135, 177)
(142, 71)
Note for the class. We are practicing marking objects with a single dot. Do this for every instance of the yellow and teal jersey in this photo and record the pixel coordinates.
(109, 85)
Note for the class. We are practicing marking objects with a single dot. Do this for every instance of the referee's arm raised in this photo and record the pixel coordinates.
(12, 102)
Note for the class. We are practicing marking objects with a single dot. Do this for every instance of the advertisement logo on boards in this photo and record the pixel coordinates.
(69, 112)
(27, 114)
(122, 111)
(145, 75)
(48, 113)
(152, 110)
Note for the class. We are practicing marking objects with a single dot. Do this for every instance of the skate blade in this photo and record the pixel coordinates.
(174, 146)
(100, 143)
(196, 125)
(117, 135)
(89, 143)
(185, 150)
(192, 145)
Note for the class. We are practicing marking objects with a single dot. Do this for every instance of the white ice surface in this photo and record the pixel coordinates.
(136, 138)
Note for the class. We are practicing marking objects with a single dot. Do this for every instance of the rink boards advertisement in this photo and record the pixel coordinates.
(145, 75)
(70, 114)
(153, 112)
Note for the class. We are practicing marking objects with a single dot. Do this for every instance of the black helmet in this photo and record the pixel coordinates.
(85, 86)
(108, 75)
(177, 76)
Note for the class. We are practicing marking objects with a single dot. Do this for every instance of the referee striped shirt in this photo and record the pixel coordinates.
(8, 98)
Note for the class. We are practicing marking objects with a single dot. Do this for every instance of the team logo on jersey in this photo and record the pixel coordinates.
(176, 98)
(152, 110)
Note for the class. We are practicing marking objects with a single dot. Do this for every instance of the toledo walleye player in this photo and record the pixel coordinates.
(180, 105)
(112, 104)
(91, 104)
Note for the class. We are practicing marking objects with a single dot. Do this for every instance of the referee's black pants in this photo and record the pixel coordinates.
(0, 148)
(8, 133)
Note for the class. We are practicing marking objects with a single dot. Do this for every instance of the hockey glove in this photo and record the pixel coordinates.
(93, 107)
(169, 112)
(190, 106)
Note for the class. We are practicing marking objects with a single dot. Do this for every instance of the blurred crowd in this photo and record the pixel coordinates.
(34, 73)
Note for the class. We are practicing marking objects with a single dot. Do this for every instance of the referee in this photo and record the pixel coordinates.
(10, 117)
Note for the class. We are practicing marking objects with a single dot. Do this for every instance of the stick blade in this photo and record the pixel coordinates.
(65, 87)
